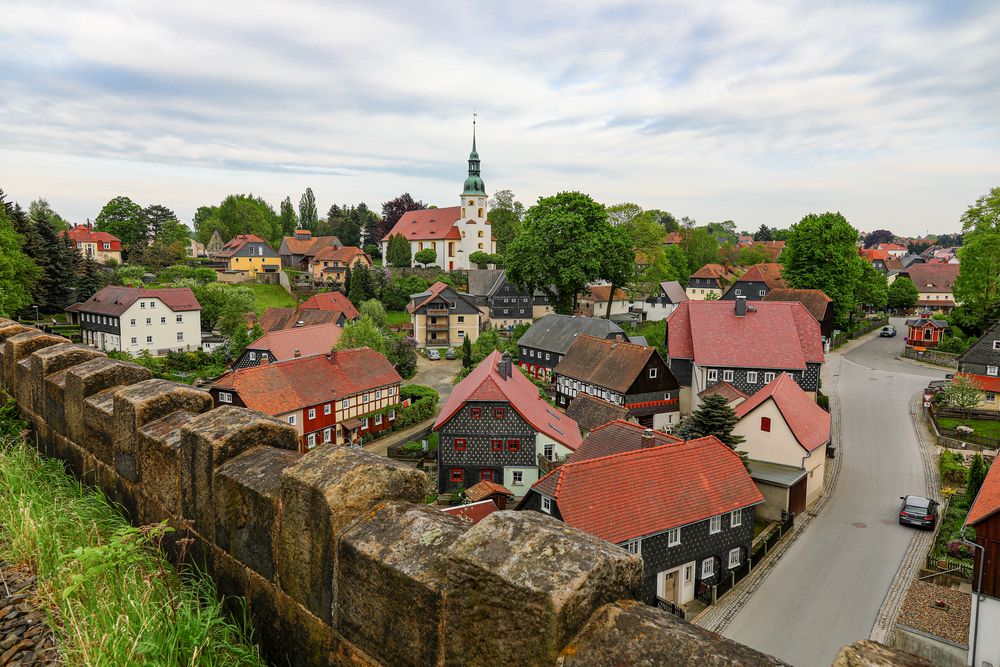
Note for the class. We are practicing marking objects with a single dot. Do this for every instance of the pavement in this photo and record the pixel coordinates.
(842, 580)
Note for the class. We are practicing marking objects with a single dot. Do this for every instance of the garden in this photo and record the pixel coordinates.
(956, 472)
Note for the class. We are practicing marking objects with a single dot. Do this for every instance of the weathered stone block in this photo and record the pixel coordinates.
(158, 457)
(328, 490)
(98, 421)
(631, 633)
(521, 584)
(50, 361)
(287, 629)
(144, 402)
(8, 329)
(18, 347)
(211, 439)
(246, 492)
(391, 580)
(866, 653)
(89, 378)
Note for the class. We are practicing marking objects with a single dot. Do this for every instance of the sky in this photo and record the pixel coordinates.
(758, 113)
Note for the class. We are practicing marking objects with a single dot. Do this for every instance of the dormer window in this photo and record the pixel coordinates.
(996, 345)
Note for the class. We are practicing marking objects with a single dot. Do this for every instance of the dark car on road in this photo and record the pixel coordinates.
(887, 332)
(918, 511)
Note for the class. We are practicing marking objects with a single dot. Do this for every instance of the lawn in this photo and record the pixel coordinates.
(395, 317)
(984, 427)
(268, 296)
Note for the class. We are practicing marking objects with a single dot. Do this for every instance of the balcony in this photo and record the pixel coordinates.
(434, 311)
(438, 326)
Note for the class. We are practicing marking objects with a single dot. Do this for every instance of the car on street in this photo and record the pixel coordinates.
(433, 355)
(450, 354)
(918, 511)
(887, 331)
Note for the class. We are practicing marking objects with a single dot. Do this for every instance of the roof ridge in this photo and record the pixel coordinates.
(642, 451)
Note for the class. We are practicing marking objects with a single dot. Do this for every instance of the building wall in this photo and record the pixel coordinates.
(807, 379)
(699, 288)
(255, 264)
(988, 639)
(751, 289)
(775, 501)
(778, 446)
(654, 309)
(162, 328)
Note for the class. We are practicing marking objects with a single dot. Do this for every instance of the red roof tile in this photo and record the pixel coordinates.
(84, 234)
(621, 497)
(286, 386)
(485, 488)
(816, 301)
(331, 301)
(276, 319)
(234, 244)
(473, 512)
(485, 383)
(311, 246)
(711, 271)
(933, 277)
(987, 502)
(768, 273)
(776, 334)
(342, 254)
(982, 382)
(616, 437)
(724, 389)
(872, 254)
(891, 246)
(809, 423)
(602, 292)
(115, 300)
(428, 225)
(283, 344)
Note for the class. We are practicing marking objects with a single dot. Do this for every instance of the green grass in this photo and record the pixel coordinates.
(268, 296)
(984, 427)
(759, 525)
(394, 317)
(111, 597)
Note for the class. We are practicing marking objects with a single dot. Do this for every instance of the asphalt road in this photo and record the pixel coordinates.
(827, 590)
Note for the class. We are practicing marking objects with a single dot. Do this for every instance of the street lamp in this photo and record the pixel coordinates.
(36, 317)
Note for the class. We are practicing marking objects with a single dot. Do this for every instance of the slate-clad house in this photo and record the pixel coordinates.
(819, 305)
(746, 345)
(686, 507)
(590, 412)
(710, 279)
(982, 362)
(658, 306)
(443, 317)
(633, 376)
(495, 427)
(297, 251)
(756, 282)
(286, 344)
(543, 346)
(503, 304)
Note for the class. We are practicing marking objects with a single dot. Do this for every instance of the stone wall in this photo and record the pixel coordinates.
(936, 357)
(338, 560)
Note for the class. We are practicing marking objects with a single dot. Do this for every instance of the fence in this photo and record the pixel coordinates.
(864, 327)
(710, 593)
(982, 441)
(951, 565)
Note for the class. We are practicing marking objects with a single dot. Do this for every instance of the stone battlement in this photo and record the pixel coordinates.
(338, 559)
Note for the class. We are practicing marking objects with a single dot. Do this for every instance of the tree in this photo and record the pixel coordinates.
(903, 293)
(18, 273)
(978, 284)
(394, 209)
(206, 221)
(560, 248)
(505, 216)
(247, 214)
(752, 254)
(664, 219)
(158, 255)
(397, 293)
(307, 210)
(482, 259)
(237, 303)
(59, 262)
(89, 280)
(715, 417)
(360, 285)
(964, 393)
(699, 247)
(397, 251)
(287, 219)
(619, 267)
(362, 332)
(425, 256)
(978, 469)
(872, 239)
(467, 352)
(401, 350)
(162, 225)
(872, 289)
(822, 254)
(40, 210)
(952, 240)
(763, 234)
(125, 219)
(375, 311)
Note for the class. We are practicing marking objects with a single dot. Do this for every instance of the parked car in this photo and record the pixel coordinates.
(918, 511)
(450, 354)
(887, 331)
(433, 355)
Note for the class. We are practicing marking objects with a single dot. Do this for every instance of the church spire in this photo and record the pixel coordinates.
(474, 184)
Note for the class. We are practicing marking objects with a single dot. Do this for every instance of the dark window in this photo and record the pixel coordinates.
(765, 424)
(487, 474)
(456, 474)
(496, 445)
(498, 413)
(476, 413)
(459, 444)
(514, 445)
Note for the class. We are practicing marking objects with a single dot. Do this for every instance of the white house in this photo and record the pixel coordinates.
(136, 320)
(658, 306)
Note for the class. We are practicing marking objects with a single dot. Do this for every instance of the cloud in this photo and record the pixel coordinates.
(758, 113)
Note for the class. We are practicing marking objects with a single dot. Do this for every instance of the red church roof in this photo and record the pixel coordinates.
(432, 224)
(809, 423)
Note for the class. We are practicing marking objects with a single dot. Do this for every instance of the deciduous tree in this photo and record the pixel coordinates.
(125, 219)
(287, 218)
(18, 272)
(163, 226)
(978, 283)
(964, 393)
(505, 216)
(902, 293)
(425, 256)
(872, 239)
(307, 210)
(362, 332)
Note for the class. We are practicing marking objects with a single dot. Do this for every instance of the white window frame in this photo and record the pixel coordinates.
(364, 422)
(180, 319)
(712, 375)
(715, 524)
(734, 558)
(996, 345)
(633, 546)
(652, 373)
(224, 396)
(517, 478)
(311, 440)
(149, 340)
(327, 434)
(549, 451)
(149, 321)
(327, 409)
(291, 419)
(253, 356)
(768, 376)
(673, 537)
(762, 293)
(135, 341)
(738, 291)
(991, 370)
(378, 419)
(133, 321)
(163, 320)
(751, 377)
(727, 375)
(392, 414)
(546, 504)
(461, 334)
(345, 403)
(707, 568)
(735, 518)
(312, 413)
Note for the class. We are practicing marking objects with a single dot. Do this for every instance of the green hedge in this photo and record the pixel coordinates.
(423, 401)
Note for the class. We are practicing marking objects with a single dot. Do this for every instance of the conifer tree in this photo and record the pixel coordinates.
(715, 417)
(977, 473)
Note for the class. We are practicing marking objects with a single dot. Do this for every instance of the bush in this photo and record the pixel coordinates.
(823, 401)
(958, 549)
(952, 467)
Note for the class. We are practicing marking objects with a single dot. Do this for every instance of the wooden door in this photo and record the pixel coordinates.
(670, 586)
(797, 497)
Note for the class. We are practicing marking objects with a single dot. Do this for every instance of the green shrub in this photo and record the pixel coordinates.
(952, 468)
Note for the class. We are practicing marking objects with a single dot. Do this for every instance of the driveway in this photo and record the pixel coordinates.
(828, 588)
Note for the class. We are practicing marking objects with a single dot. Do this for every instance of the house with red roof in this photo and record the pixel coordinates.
(786, 437)
(895, 250)
(876, 257)
(925, 331)
(981, 362)
(455, 232)
(935, 285)
(819, 305)
(285, 344)
(744, 344)
(331, 265)
(340, 398)
(686, 507)
(444, 317)
(496, 428)
(332, 301)
(276, 319)
(98, 246)
(984, 517)
(137, 320)
(298, 250)
(756, 282)
(249, 254)
(708, 281)
(594, 302)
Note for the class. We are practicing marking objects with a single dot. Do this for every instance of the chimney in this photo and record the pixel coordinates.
(648, 439)
(741, 306)
(298, 353)
(503, 367)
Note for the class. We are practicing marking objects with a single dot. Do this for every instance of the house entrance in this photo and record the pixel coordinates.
(667, 588)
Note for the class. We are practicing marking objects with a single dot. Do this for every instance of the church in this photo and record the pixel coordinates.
(454, 232)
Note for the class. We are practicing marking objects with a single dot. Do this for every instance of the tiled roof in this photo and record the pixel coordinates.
(982, 352)
(432, 293)
(987, 502)
(815, 301)
(309, 247)
(556, 333)
(933, 277)
(606, 363)
(84, 234)
(276, 319)
(768, 273)
(486, 383)
(621, 497)
(589, 412)
(773, 334)
(115, 300)
(674, 291)
(724, 389)
(342, 254)
(236, 243)
(672, 238)
(711, 271)
(286, 386)
(982, 382)
(473, 512)
(891, 246)
(936, 303)
(331, 301)
(616, 437)
(809, 423)
(318, 339)
(918, 322)
(428, 225)
(485, 488)
(602, 292)
(872, 254)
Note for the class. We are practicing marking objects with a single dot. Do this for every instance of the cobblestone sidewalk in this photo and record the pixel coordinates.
(25, 639)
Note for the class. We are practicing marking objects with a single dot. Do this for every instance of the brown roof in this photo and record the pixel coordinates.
(115, 300)
(602, 292)
(286, 386)
(724, 389)
(485, 488)
(987, 502)
(933, 277)
(769, 274)
(234, 244)
(344, 254)
(473, 512)
(307, 341)
(589, 412)
(816, 301)
(610, 364)
(616, 437)
(711, 271)
(331, 301)
(276, 319)
(311, 246)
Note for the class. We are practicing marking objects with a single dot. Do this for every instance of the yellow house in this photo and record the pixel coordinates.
(247, 253)
(330, 265)
(443, 317)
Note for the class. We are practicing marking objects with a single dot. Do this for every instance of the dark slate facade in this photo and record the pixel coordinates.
(743, 379)
(984, 352)
(696, 546)
(253, 357)
(550, 337)
(704, 283)
(753, 290)
(479, 454)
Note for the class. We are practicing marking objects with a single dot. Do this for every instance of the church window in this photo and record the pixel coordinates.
(463, 211)
(472, 203)
(480, 213)
(480, 233)
(480, 246)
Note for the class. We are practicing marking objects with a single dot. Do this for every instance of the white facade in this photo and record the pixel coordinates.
(148, 325)
(987, 640)
(655, 311)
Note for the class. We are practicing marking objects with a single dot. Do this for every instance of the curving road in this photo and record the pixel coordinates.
(828, 587)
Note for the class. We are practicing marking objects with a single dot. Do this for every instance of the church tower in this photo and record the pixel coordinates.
(476, 233)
